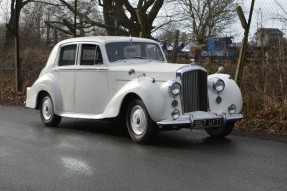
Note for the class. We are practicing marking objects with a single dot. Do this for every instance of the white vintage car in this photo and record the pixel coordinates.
(129, 79)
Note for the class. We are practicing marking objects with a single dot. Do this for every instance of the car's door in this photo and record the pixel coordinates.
(91, 90)
(65, 76)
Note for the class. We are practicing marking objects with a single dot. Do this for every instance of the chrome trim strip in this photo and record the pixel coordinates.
(88, 68)
(80, 115)
(189, 68)
(91, 69)
(234, 117)
(174, 122)
(188, 120)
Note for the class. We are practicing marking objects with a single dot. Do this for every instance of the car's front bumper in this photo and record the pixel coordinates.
(199, 119)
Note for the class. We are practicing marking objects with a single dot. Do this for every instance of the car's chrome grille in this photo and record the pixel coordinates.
(194, 94)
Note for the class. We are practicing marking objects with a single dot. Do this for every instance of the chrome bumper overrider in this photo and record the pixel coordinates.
(188, 120)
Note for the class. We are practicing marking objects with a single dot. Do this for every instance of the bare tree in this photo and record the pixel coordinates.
(31, 21)
(13, 33)
(208, 17)
(15, 10)
(136, 20)
(166, 33)
(282, 14)
(63, 17)
(119, 17)
(4, 11)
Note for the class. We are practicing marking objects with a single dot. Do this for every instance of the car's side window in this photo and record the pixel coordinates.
(91, 55)
(68, 55)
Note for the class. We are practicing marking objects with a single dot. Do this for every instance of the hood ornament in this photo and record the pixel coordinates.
(220, 70)
(192, 62)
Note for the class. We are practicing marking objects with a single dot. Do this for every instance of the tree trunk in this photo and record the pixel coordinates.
(13, 22)
(10, 32)
(107, 8)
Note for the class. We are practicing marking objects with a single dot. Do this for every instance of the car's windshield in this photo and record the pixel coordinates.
(133, 50)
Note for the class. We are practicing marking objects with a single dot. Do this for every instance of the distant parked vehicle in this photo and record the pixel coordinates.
(219, 47)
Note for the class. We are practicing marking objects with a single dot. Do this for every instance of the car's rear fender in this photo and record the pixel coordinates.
(45, 84)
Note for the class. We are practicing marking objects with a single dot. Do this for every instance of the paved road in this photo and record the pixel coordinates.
(93, 155)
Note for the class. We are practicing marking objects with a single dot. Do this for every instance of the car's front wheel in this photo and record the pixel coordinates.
(47, 114)
(221, 132)
(139, 123)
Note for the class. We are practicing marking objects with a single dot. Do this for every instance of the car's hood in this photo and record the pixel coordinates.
(159, 71)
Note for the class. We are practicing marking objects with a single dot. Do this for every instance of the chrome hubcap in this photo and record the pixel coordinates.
(138, 120)
(47, 108)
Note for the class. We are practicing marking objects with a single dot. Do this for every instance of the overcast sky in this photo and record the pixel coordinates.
(264, 14)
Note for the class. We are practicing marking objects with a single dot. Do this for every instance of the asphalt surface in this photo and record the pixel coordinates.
(95, 155)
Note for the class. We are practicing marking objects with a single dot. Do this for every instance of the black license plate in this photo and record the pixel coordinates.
(207, 122)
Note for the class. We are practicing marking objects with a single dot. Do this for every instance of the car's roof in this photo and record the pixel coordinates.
(105, 39)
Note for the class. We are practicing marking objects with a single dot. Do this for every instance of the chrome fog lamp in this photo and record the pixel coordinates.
(218, 85)
(175, 114)
(232, 109)
(175, 89)
(174, 103)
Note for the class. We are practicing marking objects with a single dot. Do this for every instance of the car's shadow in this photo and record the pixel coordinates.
(95, 126)
(192, 139)
(181, 139)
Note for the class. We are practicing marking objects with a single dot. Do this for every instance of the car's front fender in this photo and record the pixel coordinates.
(230, 95)
(152, 94)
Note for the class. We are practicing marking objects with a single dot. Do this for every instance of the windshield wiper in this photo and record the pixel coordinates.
(140, 57)
(118, 59)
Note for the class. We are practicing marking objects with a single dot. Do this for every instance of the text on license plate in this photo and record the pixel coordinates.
(207, 123)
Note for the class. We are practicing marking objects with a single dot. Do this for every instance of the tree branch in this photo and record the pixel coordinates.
(155, 9)
(58, 28)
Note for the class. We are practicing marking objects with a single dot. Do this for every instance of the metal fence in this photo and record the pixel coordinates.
(33, 56)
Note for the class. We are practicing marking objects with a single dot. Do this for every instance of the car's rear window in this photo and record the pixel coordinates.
(68, 55)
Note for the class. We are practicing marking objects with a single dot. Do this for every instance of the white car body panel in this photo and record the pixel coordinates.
(91, 90)
(65, 77)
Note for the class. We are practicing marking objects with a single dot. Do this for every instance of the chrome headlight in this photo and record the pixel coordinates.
(218, 84)
(175, 89)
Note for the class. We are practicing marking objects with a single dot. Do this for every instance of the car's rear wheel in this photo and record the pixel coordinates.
(47, 114)
(139, 123)
(220, 132)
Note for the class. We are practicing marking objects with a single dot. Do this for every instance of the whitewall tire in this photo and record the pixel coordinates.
(138, 121)
(48, 116)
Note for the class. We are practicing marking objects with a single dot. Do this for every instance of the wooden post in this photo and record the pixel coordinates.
(17, 60)
(55, 36)
(244, 46)
(175, 44)
(75, 19)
